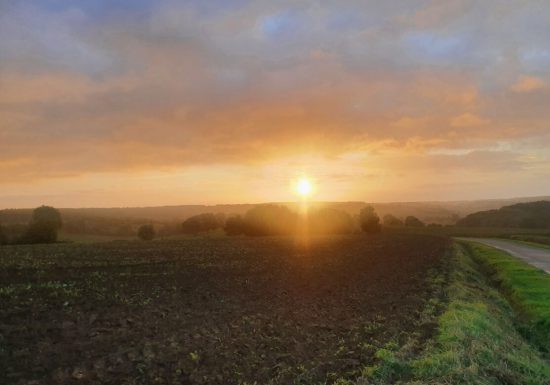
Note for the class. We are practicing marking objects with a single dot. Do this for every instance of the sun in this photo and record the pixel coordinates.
(304, 187)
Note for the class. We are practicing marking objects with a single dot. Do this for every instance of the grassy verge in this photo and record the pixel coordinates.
(477, 340)
(529, 243)
(532, 239)
(526, 287)
(482, 232)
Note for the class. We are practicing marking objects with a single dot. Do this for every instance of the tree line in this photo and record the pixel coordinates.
(261, 220)
(532, 215)
(270, 219)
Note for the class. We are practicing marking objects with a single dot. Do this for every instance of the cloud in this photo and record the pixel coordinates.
(171, 85)
(468, 120)
(528, 84)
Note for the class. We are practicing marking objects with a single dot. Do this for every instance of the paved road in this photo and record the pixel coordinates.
(537, 257)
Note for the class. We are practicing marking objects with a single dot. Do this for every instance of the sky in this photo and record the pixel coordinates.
(140, 102)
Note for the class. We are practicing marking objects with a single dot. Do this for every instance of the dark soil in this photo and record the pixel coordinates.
(210, 311)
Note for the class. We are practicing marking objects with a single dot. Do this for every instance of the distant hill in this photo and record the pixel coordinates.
(522, 215)
(445, 213)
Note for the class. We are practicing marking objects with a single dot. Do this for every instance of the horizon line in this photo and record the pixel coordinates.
(282, 202)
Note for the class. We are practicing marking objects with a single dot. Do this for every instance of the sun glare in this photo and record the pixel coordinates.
(304, 187)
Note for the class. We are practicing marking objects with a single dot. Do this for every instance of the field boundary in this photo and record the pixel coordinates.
(527, 288)
(532, 244)
(477, 340)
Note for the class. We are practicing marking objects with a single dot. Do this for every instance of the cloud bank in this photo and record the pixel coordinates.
(402, 87)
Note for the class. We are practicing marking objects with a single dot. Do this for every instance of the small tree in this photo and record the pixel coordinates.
(392, 221)
(369, 220)
(146, 232)
(45, 223)
(412, 221)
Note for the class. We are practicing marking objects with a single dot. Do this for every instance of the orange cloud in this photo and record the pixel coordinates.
(183, 88)
(528, 84)
(467, 120)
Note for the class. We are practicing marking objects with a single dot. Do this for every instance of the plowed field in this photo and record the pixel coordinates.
(210, 311)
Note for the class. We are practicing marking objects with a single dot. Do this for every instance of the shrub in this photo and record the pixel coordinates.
(146, 232)
(392, 221)
(412, 221)
(202, 223)
(369, 220)
(45, 223)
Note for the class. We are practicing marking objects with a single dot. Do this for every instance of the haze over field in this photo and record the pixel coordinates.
(143, 103)
(446, 213)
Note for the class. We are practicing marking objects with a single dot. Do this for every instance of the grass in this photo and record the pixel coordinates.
(536, 239)
(477, 341)
(534, 244)
(478, 232)
(526, 287)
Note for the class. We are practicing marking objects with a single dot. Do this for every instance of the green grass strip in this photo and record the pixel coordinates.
(525, 286)
(477, 340)
(533, 239)
(533, 244)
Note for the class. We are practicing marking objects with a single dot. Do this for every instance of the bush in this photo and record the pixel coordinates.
(392, 221)
(412, 221)
(269, 220)
(369, 220)
(330, 221)
(202, 223)
(146, 232)
(45, 223)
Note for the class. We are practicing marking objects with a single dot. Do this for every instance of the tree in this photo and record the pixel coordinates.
(524, 215)
(45, 223)
(369, 220)
(146, 232)
(330, 221)
(269, 220)
(202, 223)
(234, 226)
(412, 221)
(392, 221)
